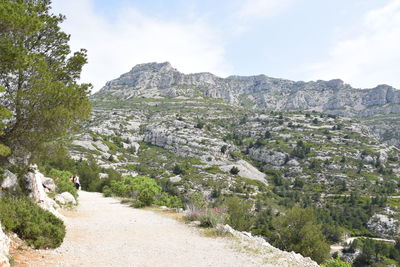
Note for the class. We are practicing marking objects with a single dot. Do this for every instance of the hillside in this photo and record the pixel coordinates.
(202, 141)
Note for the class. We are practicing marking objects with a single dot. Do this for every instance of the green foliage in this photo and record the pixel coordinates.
(212, 217)
(336, 263)
(4, 114)
(36, 226)
(240, 215)
(39, 75)
(169, 201)
(146, 189)
(375, 253)
(143, 189)
(62, 181)
(234, 170)
(299, 231)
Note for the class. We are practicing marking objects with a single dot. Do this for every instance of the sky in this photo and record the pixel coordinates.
(357, 41)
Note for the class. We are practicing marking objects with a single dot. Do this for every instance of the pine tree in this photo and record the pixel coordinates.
(39, 75)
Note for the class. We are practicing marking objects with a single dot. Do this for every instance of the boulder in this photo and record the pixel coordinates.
(49, 183)
(65, 198)
(4, 248)
(10, 181)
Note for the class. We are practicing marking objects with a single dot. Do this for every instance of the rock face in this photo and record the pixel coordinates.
(268, 156)
(276, 257)
(246, 170)
(334, 96)
(35, 185)
(383, 225)
(161, 80)
(4, 249)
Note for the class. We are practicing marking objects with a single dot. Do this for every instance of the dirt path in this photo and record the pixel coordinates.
(103, 232)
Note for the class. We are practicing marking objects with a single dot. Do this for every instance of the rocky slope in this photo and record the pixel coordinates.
(262, 92)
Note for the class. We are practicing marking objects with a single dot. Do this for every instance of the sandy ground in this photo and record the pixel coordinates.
(103, 232)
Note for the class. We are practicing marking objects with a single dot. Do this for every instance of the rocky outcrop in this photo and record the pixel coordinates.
(4, 249)
(383, 225)
(268, 156)
(246, 170)
(33, 179)
(273, 255)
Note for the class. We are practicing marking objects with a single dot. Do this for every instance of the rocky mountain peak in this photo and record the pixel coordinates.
(153, 67)
(155, 80)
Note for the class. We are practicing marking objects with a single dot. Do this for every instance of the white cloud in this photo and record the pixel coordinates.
(114, 47)
(256, 9)
(372, 56)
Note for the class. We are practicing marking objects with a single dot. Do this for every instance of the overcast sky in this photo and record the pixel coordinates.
(357, 41)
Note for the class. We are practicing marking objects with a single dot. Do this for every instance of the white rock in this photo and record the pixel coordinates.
(4, 248)
(34, 179)
(293, 162)
(103, 175)
(383, 225)
(246, 170)
(175, 179)
(100, 145)
(10, 181)
(65, 198)
(49, 183)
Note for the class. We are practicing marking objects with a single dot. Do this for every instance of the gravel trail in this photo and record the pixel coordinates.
(103, 232)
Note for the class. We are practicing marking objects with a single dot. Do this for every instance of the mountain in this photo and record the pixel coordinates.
(258, 92)
(261, 139)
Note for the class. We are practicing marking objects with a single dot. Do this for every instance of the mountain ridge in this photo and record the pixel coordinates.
(257, 92)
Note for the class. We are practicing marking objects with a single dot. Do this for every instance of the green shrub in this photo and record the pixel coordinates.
(169, 201)
(300, 232)
(61, 179)
(234, 170)
(107, 191)
(36, 226)
(146, 189)
(212, 217)
(336, 263)
(239, 211)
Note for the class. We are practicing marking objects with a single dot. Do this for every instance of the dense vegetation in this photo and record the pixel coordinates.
(36, 226)
(41, 101)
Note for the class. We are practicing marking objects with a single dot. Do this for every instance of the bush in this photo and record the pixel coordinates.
(299, 231)
(234, 170)
(169, 201)
(61, 179)
(39, 228)
(193, 212)
(212, 217)
(336, 263)
(239, 211)
(146, 189)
